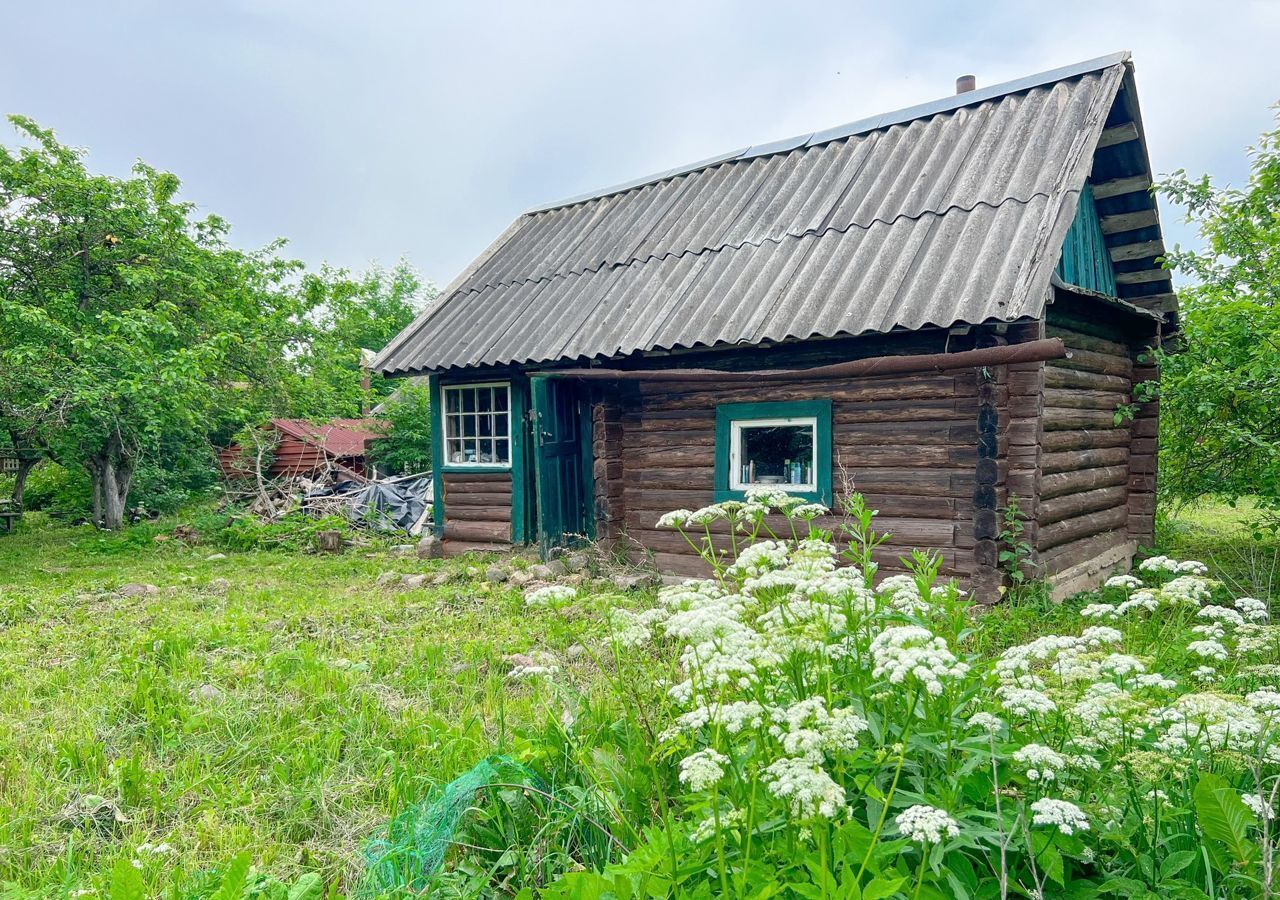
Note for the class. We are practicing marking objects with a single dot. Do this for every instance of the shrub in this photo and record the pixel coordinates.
(793, 727)
(293, 532)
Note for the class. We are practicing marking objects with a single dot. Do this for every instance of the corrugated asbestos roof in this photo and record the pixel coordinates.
(952, 212)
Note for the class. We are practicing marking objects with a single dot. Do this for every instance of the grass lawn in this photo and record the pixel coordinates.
(287, 712)
(285, 704)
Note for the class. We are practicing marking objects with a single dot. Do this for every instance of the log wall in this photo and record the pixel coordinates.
(1087, 462)
(477, 511)
(907, 442)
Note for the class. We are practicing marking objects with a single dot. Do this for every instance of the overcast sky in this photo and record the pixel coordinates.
(367, 131)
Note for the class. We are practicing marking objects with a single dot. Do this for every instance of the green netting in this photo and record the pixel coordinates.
(412, 849)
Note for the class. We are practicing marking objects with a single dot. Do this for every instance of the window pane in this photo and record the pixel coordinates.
(452, 402)
(484, 399)
(776, 454)
(502, 449)
(500, 398)
(501, 425)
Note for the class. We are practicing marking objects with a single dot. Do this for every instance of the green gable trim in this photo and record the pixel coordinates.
(520, 468)
(1085, 260)
(728, 413)
(437, 457)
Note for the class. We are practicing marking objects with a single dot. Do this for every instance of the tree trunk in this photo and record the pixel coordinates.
(111, 471)
(25, 466)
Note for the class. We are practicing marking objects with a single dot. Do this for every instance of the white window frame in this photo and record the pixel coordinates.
(448, 463)
(735, 453)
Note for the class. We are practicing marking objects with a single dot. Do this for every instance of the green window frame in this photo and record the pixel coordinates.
(730, 421)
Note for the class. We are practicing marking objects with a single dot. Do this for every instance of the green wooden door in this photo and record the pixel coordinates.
(562, 462)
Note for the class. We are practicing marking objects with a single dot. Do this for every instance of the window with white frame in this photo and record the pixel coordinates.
(780, 452)
(477, 424)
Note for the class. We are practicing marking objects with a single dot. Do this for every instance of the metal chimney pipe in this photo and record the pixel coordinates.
(966, 83)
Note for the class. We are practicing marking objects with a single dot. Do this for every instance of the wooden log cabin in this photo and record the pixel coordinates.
(941, 307)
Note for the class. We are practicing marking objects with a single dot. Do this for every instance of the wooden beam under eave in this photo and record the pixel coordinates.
(1162, 302)
(1126, 252)
(1128, 221)
(1119, 134)
(1142, 277)
(1117, 186)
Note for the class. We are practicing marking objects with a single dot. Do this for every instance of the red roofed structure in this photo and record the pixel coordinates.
(306, 449)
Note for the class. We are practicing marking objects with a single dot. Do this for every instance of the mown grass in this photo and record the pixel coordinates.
(287, 712)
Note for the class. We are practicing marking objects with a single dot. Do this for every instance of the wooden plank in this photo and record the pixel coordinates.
(458, 548)
(1143, 277)
(1071, 505)
(1074, 460)
(1140, 250)
(474, 478)
(1072, 553)
(1128, 221)
(1058, 377)
(1117, 186)
(1118, 134)
(1082, 526)
(1078, 398)
(1063, 483)
(1161, 302)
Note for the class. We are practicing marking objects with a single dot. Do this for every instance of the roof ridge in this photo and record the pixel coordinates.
(850, 129)
(808, 232)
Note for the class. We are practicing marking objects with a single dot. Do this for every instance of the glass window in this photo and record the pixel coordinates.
(774, 453)
(477, 425)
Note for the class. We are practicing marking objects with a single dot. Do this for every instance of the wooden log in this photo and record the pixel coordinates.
(490, 478)
(1083, 480)
(906, 410)
(1102, 363)
(1053, 441)
(1059, 377)
(329, 541)
(1078, 398)
(1072, 460)
(461, 496)
(1118, 134)
(1057, 418)
(1082, 526)
(455, 512)
(1103, 190)
(1071, 505)
(1079, 340)
(480, 532)
(697, 395)
(911, 434)
(1131, 221)
(1072, 553)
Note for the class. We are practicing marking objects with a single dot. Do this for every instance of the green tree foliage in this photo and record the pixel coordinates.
(1220, 392)
(128, 328)
(406, 449)
(350, 314)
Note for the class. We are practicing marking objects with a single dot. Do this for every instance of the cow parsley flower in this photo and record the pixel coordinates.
(909, 650)
(674, 519)
(926, 824)
(1204, 673)
(1190, 590)
(552, 596)
(1208, 649)
(987, 722)
(702, 770)
(1252, 609)
(807, 511)
(1260, 807)
(1099, 611)
(1024, 701)
(705, 516)
(1158, 564)
(1221, 614)
(1062, 814)
(1042, 763)
(806, 787)
(1125, 582)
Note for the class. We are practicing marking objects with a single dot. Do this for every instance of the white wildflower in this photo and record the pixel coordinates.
(1253, 609)
(1221, 614)
(1024, 701)
(926, 824)
(1208, 649)
(1066, 816)
(551, 596)
(674, 519)
(1260, 807)
(1125, 582)
(729, 820)
(909, 650)
(1100, 611)
(1042, 763)
(702, 770)
(807, 788)
(985, 721)
(807, 511)
(1204, 673)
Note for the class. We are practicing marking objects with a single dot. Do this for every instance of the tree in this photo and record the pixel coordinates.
(350, 314)
(406, 448)
(1220, 392)
(125, 323)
